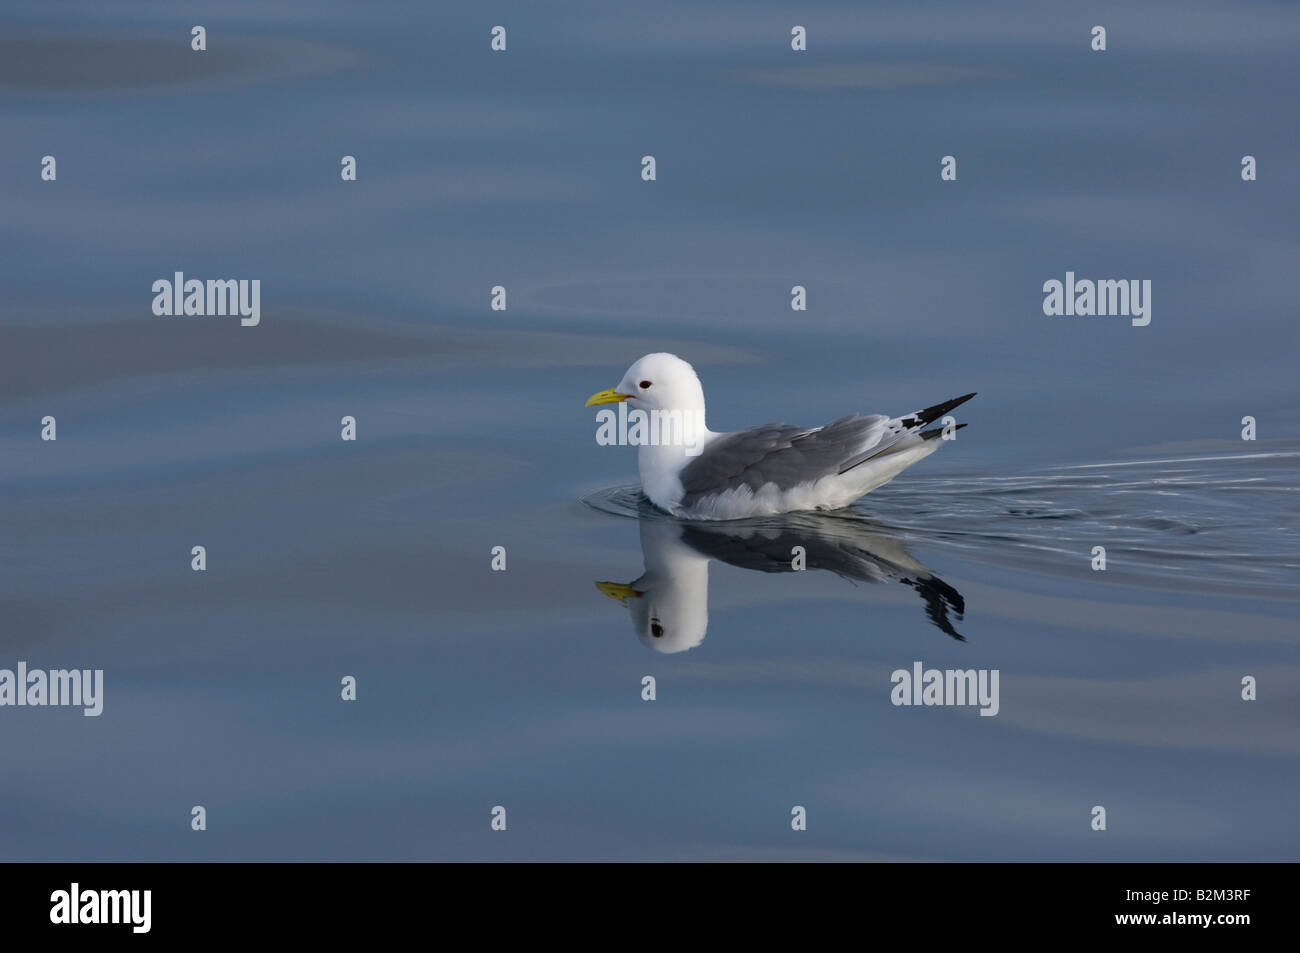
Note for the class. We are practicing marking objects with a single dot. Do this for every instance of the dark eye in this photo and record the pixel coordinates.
(645, 385)
(656, 630)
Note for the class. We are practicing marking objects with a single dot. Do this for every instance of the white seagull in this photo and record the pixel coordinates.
(694, 473)
(669, 602)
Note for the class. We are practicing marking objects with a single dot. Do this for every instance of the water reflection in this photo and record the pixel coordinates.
(669, 602)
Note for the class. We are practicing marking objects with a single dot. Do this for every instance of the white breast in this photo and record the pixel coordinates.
(660, 466)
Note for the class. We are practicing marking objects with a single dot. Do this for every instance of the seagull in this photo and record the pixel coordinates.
(693, 473)
(669, 602)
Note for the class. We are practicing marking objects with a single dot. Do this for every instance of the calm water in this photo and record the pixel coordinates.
(523, 688)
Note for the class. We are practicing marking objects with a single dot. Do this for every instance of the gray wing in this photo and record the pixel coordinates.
(845, 547)
(787, 456)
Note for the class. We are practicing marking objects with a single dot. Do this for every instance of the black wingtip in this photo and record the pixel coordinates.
(931, 414)
(940, 599)
(936, 432)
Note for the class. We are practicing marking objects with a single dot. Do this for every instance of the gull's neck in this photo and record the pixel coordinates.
(660, 462)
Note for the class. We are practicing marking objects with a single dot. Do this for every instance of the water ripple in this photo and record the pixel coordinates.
(1222, 522)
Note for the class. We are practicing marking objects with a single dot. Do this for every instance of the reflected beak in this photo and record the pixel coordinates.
(618, 591)
(606, 397)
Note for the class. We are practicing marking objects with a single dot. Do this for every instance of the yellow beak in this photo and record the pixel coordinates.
(606, 397)
(620, 592)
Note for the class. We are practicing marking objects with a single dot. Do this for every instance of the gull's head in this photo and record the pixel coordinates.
(666, 616)
(656, 382)
(671, 613)
(672, 619)
(669, 603)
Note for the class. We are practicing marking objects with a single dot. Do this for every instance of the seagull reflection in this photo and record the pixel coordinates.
(670, 601)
